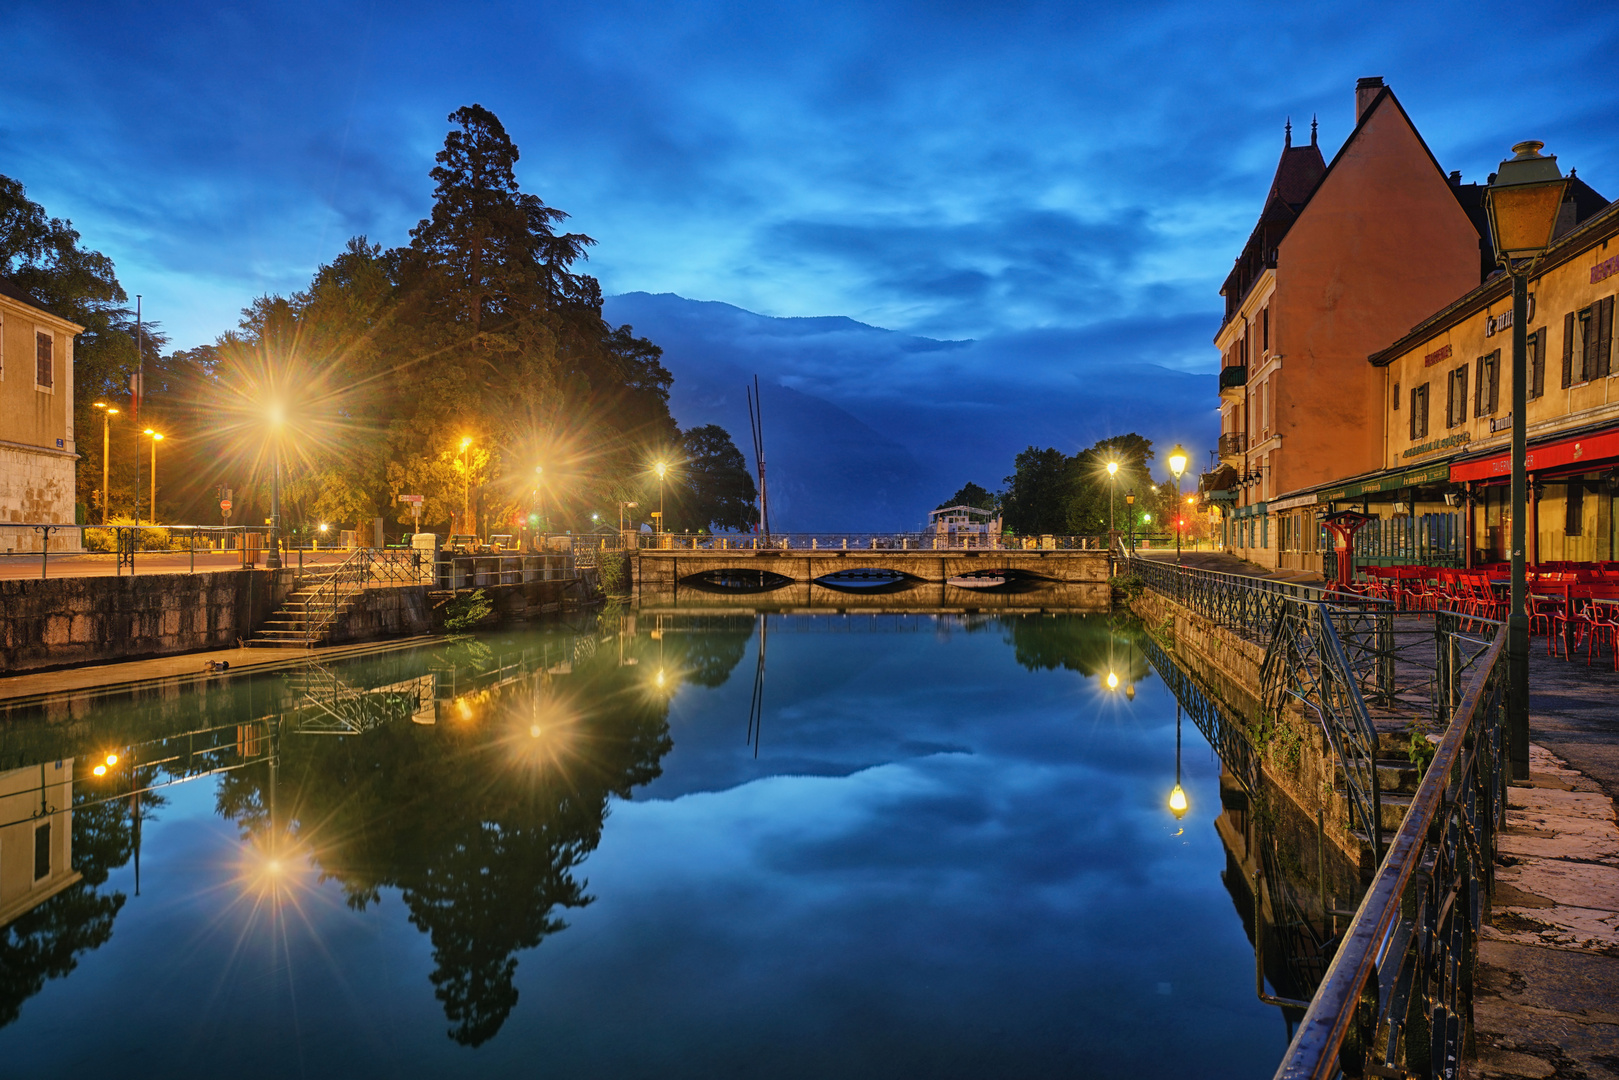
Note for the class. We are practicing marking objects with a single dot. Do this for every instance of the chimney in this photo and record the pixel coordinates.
(1366, 91)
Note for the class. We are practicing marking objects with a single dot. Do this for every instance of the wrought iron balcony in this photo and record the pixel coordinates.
(1233, 443)
(1234, 377)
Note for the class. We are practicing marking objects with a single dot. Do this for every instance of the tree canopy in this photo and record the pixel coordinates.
(972, 494)
(472, 366)
(1052, 492)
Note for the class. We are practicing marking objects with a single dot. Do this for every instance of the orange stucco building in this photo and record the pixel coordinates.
(1346, 257)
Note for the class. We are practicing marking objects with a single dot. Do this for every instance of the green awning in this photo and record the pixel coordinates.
(1426, 474)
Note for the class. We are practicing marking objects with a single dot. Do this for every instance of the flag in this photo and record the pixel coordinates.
(135, 396)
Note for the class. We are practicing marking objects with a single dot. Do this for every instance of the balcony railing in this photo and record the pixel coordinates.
(1233, 443)
(1233, 377)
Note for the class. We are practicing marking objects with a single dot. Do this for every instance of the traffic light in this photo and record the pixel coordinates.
(534, 521)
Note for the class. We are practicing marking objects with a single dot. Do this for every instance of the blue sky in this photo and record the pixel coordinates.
(1079, 176)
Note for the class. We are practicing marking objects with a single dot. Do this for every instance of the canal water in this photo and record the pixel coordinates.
(852, 846)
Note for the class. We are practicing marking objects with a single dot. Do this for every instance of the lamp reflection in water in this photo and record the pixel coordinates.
(1177, 794)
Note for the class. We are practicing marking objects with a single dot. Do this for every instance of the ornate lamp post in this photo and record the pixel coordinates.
(107, 411)
(1177, 465)
(1130, 515)
(1523, 200)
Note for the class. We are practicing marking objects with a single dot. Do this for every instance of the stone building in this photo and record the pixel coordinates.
(37, 450)
(1345, 258)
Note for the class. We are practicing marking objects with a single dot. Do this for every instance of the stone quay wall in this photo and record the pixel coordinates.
(57, 622)
(1293, 749)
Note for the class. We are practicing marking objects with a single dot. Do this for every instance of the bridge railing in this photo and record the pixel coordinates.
(866, 541)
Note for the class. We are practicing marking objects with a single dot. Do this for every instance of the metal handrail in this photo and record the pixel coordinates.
(1452, 824)
(362, 569)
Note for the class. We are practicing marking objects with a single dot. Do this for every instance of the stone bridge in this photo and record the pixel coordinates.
(1077, 578)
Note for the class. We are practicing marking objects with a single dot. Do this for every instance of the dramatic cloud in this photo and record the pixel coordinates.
(945, 169)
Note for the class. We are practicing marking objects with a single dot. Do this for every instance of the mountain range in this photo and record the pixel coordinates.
(867, 429)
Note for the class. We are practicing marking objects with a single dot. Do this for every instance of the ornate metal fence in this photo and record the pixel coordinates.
(1397, 998)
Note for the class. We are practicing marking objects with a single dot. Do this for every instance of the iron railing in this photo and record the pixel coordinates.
(365, 568)
(1397, 998)
(1398, 992)
(1247, 605)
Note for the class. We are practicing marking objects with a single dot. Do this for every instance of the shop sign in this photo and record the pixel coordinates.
(1500, 423)
(1428, 474)
(1503, 322)
(1599, 446)
(1439, 444)
(1438, 356)
(1605, 269)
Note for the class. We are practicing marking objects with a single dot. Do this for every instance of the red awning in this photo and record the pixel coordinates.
(1593, 447)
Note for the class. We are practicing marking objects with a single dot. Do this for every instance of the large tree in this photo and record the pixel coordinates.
(714, 489)
(1037, 492)
(480, 330)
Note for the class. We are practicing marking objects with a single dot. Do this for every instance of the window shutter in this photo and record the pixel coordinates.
(1411, 417)
(1569, 326)
(1537, 363)
(1601, 363)
(1495, 382)
(1461, 396)
(1424, 432)
(44, 360)
(1478, 387)
(1574, 508)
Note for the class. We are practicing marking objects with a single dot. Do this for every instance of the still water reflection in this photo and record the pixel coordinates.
(813, 846)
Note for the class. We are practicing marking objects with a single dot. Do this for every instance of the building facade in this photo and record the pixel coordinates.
(1345, 258)
(1447, 394)
(37, 449)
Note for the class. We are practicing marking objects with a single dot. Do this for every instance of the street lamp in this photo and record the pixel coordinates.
(466, 483)
(107, 411)
(156, 438)
(1177, 465)
(1130, 513)
(277, 417)
(1523, 200)
(1112, 498)
(660, 468)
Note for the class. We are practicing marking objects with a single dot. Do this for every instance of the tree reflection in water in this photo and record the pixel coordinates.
(46, 942)
(479, 819)
(1093, 645)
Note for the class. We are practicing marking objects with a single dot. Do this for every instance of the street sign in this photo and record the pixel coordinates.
(411, 498)
(224, 506)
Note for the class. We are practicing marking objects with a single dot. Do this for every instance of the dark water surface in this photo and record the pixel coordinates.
(909, 847)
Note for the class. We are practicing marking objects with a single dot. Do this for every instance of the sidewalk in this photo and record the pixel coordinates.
(32, 687)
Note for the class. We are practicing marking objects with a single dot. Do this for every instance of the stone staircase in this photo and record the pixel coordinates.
(290, 626)
(1397, 781)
